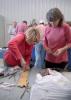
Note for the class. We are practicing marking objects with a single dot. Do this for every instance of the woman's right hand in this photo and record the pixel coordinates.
(25, 66)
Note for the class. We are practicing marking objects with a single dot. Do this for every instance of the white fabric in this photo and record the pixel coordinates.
(51, 87)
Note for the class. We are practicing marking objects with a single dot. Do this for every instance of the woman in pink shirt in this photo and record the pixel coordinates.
(57, 40)
(20, 48)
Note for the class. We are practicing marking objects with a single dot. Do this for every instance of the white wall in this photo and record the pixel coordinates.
(28, 9)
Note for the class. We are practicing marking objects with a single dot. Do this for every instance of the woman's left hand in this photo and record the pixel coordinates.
(58, 52)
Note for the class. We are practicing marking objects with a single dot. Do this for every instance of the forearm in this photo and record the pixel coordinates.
(45, 47)
(66, 47)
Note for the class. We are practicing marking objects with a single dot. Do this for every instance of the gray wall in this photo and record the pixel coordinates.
(29, 9)
(2, 31)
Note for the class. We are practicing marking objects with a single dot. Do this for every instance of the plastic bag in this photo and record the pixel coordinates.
(51, 87)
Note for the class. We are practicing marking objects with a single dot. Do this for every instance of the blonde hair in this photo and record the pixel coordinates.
(30, 32)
